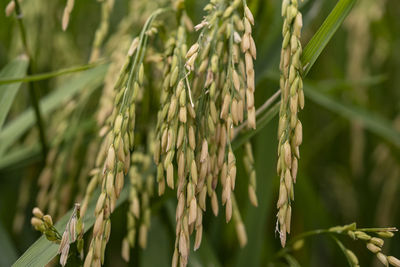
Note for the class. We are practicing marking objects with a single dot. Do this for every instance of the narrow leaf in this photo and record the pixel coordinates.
(373, 122)
(205, 255)
(344, 250)
(15, 68)
(45, 76)
(24, 154)
(321, 38)
(7, 248)
(158, 243)
(292, 261)
(14, 130)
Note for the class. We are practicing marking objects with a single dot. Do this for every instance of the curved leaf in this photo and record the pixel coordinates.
(292, 261)
(87, 80)
(344, 250)
(7, 248)
(15, 68)
(45, 76)
(373, 122)
(321, 38)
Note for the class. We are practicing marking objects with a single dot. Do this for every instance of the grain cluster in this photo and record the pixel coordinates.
(290, 127)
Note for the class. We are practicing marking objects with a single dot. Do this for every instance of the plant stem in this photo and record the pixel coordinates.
(52, 74)
(31, 70)
(283, 251)
(268, 102)
(286, 249)
(374, 230)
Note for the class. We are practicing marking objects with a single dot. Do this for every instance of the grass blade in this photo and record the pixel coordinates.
(376, 124)
(15, 68)
(344, 250)
(204, 256)
(8, 250)
(158, 244)
(15, 129)
(48, 75)
(22, 155)
(321, 38)
(292, 261)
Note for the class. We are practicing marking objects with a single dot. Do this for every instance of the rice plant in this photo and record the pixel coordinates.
(165, 133)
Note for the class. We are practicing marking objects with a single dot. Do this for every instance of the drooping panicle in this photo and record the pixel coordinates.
(290, 127)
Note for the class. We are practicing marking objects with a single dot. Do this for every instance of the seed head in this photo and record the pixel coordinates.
(373, 248)
(36, 222)
(382, 258)
(193, 49)
(377, 241)
(37, 212)
(10, 8)
(47, 220)
(352, 257)
(393, 261)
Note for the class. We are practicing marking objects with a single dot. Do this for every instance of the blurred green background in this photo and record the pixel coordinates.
(349, 169)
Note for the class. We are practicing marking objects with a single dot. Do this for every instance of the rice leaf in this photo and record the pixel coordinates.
(324, 34)
(205, 255)
(344, 250)
(257, 217)
(15, 68)
(48, 75)
(373, 122)
(157, 244)
(22, 155)
(7, 248)
(292, 261)
(16, 128)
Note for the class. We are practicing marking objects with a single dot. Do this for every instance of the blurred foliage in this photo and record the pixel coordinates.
(349, 170)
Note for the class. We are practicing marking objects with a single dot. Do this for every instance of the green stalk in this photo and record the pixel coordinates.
(288, 247)
(304, 235)
(31, 70)
(52, 74)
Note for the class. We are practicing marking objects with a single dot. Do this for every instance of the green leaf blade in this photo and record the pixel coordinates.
(344, 250)
(85, 81)
(48, 75)
(376, 124)
(7, 248)
(324, 34)
(8, 92)
(292, 261)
